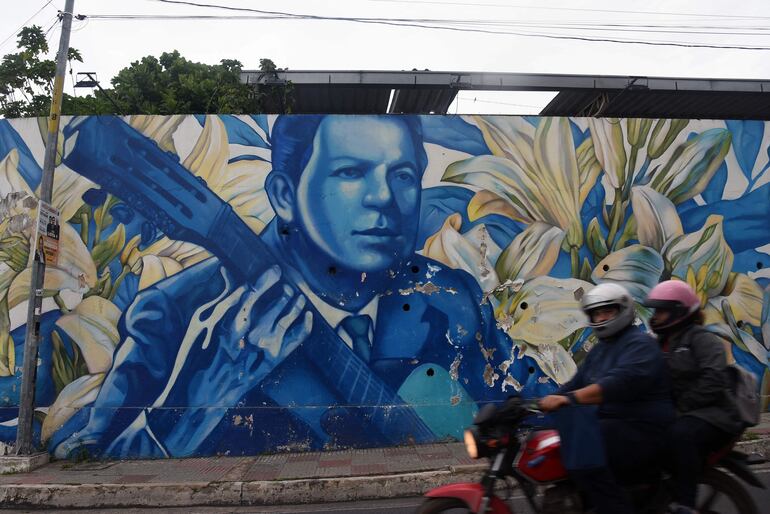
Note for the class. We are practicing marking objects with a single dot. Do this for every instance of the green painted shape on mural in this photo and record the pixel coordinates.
(442, 403)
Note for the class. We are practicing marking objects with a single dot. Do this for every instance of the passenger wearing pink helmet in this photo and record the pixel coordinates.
(697, 363)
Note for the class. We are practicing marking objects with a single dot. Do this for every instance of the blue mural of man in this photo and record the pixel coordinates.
(207, 365)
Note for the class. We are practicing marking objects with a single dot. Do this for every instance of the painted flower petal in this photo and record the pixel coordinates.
(208, 158)
(637, 130)
(154, 269)
(10, 178)
(511, 137)
(93, 326)
(245, 191)
(742, 338)
(607, 135)
(75, 395)
(158, 128)
(636, 267)
(449, 247)
(501, 179)
(68, 189)
(692, 165)
(559, 178)
(704, 254)
(545, 310)
(531, 253)
(663, 134)
(554, 360)
(74, 271)
(657, 220)
(745, 298)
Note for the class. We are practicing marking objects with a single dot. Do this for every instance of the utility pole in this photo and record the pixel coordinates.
(32, 339)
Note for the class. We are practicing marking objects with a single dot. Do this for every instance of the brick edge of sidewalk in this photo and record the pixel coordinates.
(245, 493)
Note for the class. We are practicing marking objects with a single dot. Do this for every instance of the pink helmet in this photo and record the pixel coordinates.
(674, 296)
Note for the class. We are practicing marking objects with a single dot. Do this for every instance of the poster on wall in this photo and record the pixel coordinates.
(47, 234)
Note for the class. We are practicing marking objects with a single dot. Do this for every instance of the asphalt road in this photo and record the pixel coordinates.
(395, 506)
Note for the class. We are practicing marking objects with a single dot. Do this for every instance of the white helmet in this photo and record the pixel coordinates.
(609, 295)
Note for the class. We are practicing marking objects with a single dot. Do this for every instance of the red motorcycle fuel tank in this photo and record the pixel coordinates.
(540, 460)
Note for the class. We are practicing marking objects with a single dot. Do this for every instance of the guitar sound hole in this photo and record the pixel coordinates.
(406, 307)
(430, 372)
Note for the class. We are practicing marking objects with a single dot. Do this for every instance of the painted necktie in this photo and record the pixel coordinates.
(357, 328)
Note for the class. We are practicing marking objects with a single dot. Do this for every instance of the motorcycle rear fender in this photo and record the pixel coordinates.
(471, 494)
(735, 463)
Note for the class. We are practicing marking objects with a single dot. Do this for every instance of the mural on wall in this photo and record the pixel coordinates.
(239, 284)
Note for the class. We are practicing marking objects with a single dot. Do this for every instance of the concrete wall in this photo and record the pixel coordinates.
(239, 284)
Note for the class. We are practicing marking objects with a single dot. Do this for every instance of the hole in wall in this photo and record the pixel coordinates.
(606, 267)
(415, 269)
(531, 370)
(430, 372)
(523, 305)
(332, 270)
(406, 307)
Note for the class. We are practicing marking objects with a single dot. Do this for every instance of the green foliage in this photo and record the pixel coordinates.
(65, 368)
(169, 84)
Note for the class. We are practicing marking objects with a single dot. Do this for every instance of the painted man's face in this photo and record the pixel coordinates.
(358, 198)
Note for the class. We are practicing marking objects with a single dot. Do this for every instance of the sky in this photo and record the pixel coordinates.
(107, 45)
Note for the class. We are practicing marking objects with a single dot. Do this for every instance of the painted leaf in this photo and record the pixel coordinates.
(742, 338)
(692, 165)
(637, 268)
(107, 250)
(74, 396)
(607, 135)
(93, 326)
(68, 189)
(766, 317)
(7, 348)
(705, 252)
(657, 220)
(532, 253)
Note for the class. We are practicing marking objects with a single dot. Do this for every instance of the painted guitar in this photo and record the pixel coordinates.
(131, 166)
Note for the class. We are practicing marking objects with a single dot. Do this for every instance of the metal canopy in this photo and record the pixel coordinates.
(423, 92)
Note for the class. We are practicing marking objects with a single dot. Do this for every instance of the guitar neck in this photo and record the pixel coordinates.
(132, 167)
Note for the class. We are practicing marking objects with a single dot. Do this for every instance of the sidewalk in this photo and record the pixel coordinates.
(263, 480)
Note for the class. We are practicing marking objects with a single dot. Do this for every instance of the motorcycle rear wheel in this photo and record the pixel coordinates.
(443, 506)
(719, 484)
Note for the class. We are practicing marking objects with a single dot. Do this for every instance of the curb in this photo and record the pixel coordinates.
(279, 492)
(252, 493)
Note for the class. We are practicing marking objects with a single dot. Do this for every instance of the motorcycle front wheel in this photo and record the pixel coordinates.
(443, 506)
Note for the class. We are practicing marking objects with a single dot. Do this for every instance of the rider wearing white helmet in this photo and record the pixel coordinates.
(624, 374)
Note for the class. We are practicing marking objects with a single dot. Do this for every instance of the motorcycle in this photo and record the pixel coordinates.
(526, 455)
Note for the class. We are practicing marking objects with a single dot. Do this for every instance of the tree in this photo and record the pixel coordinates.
(169, 84)
(26, 78)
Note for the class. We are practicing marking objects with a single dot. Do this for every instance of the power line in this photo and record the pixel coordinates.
(25, 23)
(406, 22)
(575, 9)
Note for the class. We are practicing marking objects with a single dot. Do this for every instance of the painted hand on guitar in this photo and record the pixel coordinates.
(265, 322)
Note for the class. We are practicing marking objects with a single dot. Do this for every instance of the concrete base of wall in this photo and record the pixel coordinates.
(10, 464)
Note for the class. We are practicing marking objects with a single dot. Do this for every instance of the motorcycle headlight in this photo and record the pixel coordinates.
(471, 445)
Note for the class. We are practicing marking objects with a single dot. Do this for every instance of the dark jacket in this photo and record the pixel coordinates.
(631, 371)
(697, 362)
